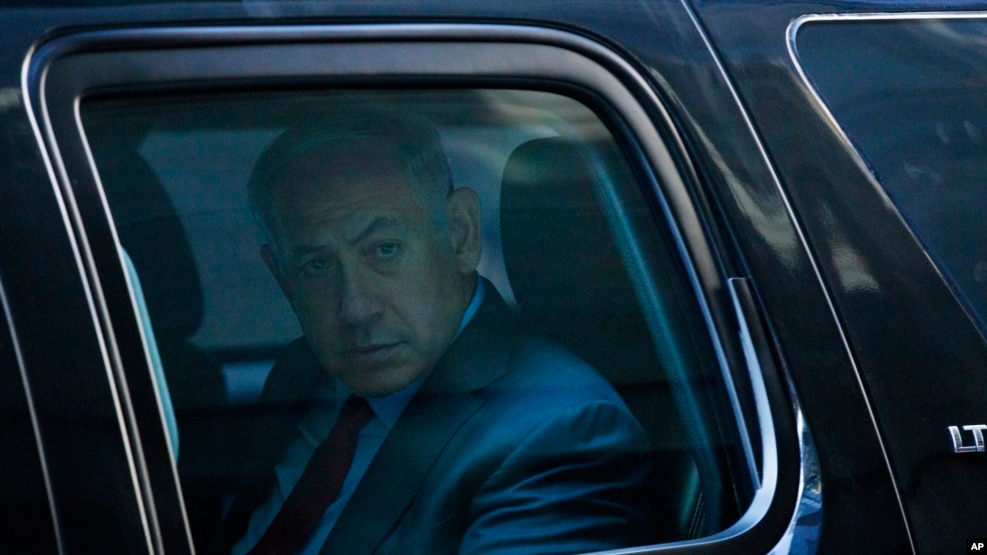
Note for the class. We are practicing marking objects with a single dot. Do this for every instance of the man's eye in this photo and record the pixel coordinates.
(386, 250)
(316, 267)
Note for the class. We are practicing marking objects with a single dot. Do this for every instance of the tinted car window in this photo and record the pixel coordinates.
(909, 95)
(571, 240)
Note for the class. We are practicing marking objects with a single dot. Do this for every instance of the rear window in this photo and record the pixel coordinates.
(909, 94)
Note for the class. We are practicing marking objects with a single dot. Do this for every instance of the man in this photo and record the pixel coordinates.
(483, 437)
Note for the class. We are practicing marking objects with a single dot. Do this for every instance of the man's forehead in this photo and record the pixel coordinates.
(306, 139)
(344, 165)
(357, 206)
(346, 213)
(341, 180)
(342, 188)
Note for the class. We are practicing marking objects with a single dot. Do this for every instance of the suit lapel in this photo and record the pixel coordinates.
(396, 473)
(446, 400)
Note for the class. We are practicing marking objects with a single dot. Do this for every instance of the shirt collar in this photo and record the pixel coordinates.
(389, 407)
(474, 306)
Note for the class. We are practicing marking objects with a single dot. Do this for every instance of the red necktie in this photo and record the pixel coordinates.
(319, 484)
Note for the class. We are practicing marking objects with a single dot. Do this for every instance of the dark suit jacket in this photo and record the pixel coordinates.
(512, 445)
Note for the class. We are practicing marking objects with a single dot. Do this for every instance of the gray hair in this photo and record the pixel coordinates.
(411, 140)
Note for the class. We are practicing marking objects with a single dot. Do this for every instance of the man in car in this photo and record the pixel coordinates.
(473, 434)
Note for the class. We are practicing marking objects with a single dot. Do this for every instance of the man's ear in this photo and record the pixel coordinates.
(465, 228)
(271, 260)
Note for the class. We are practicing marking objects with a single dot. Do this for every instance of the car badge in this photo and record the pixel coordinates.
(978, 438)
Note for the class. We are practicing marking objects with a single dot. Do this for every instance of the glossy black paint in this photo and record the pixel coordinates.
(918, 353)
(887, 366)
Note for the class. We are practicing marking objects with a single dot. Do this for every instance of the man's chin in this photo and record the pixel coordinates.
(380, 382)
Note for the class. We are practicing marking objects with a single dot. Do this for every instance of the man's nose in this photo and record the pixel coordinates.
(359, 302)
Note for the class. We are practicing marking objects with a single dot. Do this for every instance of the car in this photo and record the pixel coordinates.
(760, 221)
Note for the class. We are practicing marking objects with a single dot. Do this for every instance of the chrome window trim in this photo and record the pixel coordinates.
(809, 499)
(765, 493)
(810, 479)
(769, 449)
(637, 99)
(810, 489)
(34, 104)
(798, 22)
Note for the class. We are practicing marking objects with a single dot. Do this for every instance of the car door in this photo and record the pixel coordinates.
(882, 164)
(148, 133)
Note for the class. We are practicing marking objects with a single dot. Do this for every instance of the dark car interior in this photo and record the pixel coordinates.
(567, 226)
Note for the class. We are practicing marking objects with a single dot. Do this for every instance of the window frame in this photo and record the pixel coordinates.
(163, 60)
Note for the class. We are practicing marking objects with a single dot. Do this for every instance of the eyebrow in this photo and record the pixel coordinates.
(300, 251)
(377, 224)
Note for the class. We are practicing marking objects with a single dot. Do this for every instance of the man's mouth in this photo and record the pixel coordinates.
(377, 352)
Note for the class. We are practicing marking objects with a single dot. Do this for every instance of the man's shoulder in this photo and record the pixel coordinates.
(548, 394)
(542, 365)
(531, 362)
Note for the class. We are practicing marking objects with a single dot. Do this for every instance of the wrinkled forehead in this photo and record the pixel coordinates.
(339, 188)
(339, 169)
(320, 165)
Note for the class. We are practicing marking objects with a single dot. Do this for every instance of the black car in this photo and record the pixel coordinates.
(762, 222)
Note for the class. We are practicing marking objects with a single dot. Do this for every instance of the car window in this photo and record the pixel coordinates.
(572, 240)
(909, 96)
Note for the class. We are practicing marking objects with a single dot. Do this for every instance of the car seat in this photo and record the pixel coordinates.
(570, 279)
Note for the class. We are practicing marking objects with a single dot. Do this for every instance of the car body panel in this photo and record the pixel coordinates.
(853, 310)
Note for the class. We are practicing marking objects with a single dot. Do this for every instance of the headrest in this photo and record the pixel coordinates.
(152, 234)
(563, 263)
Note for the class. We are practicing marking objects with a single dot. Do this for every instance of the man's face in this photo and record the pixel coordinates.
(377, 291)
